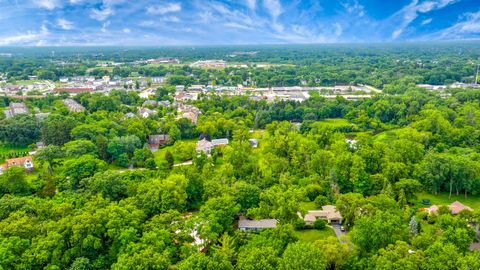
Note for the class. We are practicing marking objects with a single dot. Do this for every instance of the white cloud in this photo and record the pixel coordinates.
(251, 4)
(168, 8)
(237, 26)
(171, 19)
(426, 21)
(126, 30)
(47, 4)
(338, 29)
(65, 24)
(147, 23)
(28, 38)
(101, 14)
(410, 12)
(273, 7)
(354, 8)
(469, 25)
(104, 27)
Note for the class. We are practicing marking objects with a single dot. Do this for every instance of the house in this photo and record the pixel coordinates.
(253, 143)
(204, 146)
(245, 224)
(219, 142)
(155, 141)
(72, 105)
(145, 112)
(457, 207)
(189, 112)
(328, 213)
(25, 162)
(16, 108)
(153, 103)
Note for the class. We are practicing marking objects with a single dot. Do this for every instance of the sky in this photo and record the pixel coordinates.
(218, 22)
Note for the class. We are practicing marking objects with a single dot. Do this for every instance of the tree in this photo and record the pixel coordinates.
(79, 148)
(169, 159)
(216, 217)
(398, 256)
(303, 256)
(257, 258)
(13, 181)
(159, 196)
(76, 169)
(335, 253)
(49, 154)
(56, 129)
(371, 233)
(19, 130)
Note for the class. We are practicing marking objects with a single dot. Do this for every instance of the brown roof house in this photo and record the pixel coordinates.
(328, 213)
(155, 141)
(25, 162)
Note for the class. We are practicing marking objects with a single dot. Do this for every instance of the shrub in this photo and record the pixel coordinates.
(319, 224)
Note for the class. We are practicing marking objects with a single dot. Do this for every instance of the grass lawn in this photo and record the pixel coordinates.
(6, 149)
(442, 199)
(335, 122)
(309, 206)
(313, 235)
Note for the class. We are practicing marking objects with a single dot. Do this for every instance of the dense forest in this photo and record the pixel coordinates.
(99, 198)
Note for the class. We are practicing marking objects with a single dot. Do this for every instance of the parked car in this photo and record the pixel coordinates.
(342, 228)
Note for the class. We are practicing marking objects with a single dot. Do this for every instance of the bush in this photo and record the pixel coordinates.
(319, 224)
(299, 224)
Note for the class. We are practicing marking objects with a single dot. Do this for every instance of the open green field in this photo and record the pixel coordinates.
(313, 235)
(335, 122)
(7, 149)
(308, 206)
(442, 199)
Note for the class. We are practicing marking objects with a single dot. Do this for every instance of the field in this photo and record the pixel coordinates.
(313, 235)
(442, 199)
(6, 150)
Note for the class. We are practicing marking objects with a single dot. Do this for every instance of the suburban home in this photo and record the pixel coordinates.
(153, 103)
(245, 224)
(155, 141)
(328, 213)
(25, 162)
(145, 112)
(455, 207)
(189, 112)
(73, 90)
(72, 105)
(16, 108)
(204, 146)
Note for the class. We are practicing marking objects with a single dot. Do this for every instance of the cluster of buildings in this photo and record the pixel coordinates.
(272, 94)
(160, 60)
(209, 64)
(188, 111)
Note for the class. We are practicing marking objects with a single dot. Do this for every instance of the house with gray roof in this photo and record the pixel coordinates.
(245, 224)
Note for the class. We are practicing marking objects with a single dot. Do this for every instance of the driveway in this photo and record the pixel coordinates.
(342, 236)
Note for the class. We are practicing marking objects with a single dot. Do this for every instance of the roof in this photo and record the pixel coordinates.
(204, 145)
(328, 211)
(18, 161)
(262, 223)
(456, 207)
(73, 90)
(216, 142)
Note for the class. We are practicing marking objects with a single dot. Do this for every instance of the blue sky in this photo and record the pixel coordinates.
(204, 22)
